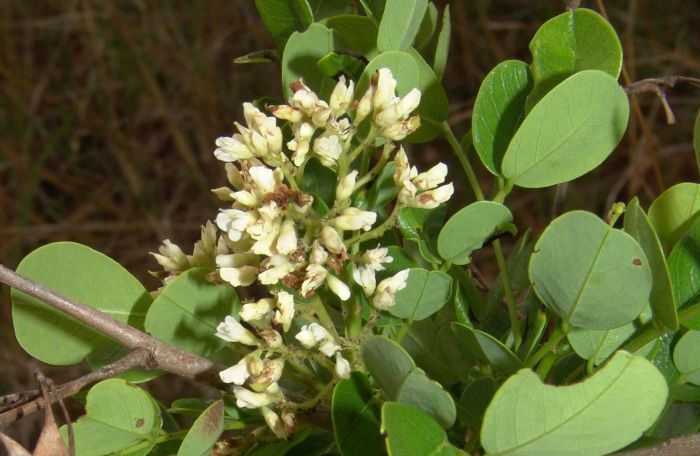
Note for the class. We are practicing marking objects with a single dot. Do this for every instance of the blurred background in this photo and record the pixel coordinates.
(109, 111)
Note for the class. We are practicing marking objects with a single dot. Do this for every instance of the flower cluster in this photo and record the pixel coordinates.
(271, 232)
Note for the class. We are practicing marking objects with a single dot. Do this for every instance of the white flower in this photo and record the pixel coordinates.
(385, 92)
(364, 106)
(263, 179)
(287, 240)
(399, 130)
(328, 148)
(407, 194)
(265, 232)
(245, 198)
(233, 175)
(338, 287)
(277, 266)
(315, 276)
(398, 110)
(301, 142)
(341, 97)
(433, 198)
(234, 222)
(318, 254)
(232, 331)
(231, 149)
(272, 338)
(402, 169)
(262, 134)
(329, 348)
(375, 258)
(353, 218)
(342, 366)
(248, 399)
(236, 260)
(365, 277)
(205, 249)
(385, 295)
(304, 98)
(270, 374)
(431, 178)
(332, 240)
(285, 310)
(274, 422)
(236, 374)
(286, 112)
(239, 277)
(345, 187)
(256, 310)
(312, 334)
(171, 257)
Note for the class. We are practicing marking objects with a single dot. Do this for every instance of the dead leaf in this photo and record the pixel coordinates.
(13, 448)
(50, 441)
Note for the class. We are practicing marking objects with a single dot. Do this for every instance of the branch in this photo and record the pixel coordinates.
(164, 356)
(688, 445)
(655, 85)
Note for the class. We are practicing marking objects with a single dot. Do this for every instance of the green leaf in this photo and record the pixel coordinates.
(569, 132)
(118, 415)
(684, 268)
(284, 17)
(421, 225)
(674, 211)
(427, 27)
(205, 431)
(354, 33)
(613, 407)
(599, 344)
(264, 56)
(411, 71)
(574, 41)
(468, 229)
(662, 301)
(383, 190)
(410, 432)
(300, 57)
(475, 399)
(188, 310)
(355, 420)
(189, 406)
(396, 373)
(400, 23)
(281, 448)
(320, 181)
(374, 8)
(334, 64)
(421, 342)
(425, 293)
(498, 111)
(328, 8)
(81, 273)
(678, 420)
(696, 140)
(686, 356)
(466, 347)
(583, 270)
(442, 48)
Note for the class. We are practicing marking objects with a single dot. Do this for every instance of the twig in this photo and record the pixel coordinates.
(163, 355)
(655, 85)
(138, 357)
(688, 445)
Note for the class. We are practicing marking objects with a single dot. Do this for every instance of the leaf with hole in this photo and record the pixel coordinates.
(569, 132)
(574, 41)
(593, 276)
(425, 293)
(81, 273)
(662, 300)
(188, 310)
(613, 407)
(468, 229)
(674, 211)
(498, 110)
(118, 416)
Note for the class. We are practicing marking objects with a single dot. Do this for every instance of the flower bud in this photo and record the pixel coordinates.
(338, 287)
(239, 277)
(365, 277)
(285, 310)
(386, 90)
(286, 112)
(407, 194)
(385, 295)
(408, 103)
(431, 178)
(274, 423)
(328, 347)
(433, 198)
(290, 422)
(287, 240)
(364, 106)
(318, 254)
(223, 193)
(353, 218)
(233, 175)
(256, 310)
(399, 130)
(341, 97)
(332, 240)
(345, 187)
(402, 168)
(342, 366)
(263, 179)
(232, 331)
(231, 149)
(315, 276)
(328, 148)
(236, 374)
(171, 257)
(248, 399)
(270, 373)
(272, 338)
(277, 266)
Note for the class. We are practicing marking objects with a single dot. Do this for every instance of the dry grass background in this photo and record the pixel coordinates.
(109, 111)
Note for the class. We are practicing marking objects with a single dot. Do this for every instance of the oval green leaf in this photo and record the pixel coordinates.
(300, 57)
(684, 268)
(569, 132)
(388, 363)
(599, 344)
(498, 110)
(354, 33)
(81, 273)
(686, 356)
(118, 415)
(613, 407)
(574, 41)
(205, 431)
(355, 420)
(421, 342)
(593, 276)
(410, 432)
(662, 300)
(284, 17)
(400, 24)
(674, 211)
(418, 390)
(188, 310)
(475, 399)
(468, 229)
(425, 293)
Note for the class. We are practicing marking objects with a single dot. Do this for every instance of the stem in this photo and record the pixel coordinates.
(557, 335)
(311, 403)
(374, 172)
(510, 297)
(403, 330)
(651, 331)
(462, 156)
(323, 317)
(378, 231)
(503, 192)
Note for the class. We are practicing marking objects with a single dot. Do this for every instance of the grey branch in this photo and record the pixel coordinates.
(149, 351)
(688, 445)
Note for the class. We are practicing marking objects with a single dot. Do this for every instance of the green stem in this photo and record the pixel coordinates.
(462, 156)
(323, 317)
(510, 296)
(374, 172)
(403, 330)
(378, 231)
(311, 403)
(557, 335)
(653, 331)
(503, 192)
